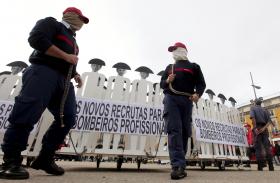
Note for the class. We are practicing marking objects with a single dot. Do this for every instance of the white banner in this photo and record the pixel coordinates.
(218, 132)
(105, 116)
(5, 110)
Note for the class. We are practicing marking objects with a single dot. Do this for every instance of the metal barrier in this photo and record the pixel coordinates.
(140, 92)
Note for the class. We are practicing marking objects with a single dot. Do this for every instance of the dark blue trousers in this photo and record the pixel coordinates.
(42, 87)
(262, 146)
(178, 126)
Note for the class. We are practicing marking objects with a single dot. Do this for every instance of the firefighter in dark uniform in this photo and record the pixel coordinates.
(260, 118)
(185, 78)
(43, 84)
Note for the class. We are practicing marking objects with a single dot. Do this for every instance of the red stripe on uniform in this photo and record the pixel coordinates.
(184, 70)
(64, 38)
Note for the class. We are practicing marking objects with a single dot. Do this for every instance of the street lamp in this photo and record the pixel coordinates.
(254, 86)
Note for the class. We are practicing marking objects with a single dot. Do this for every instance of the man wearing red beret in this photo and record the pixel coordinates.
(182, 83)
(43, 86)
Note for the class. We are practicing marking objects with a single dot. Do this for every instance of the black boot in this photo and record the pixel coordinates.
(270, 165)
(45, 161)
(12, 169)
(178, 173)
(260, 165)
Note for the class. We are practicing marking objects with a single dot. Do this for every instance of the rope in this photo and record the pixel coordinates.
(175, 91)
(65, 94)
(261, 130)
(179, 92)
(63, 100)
(157, 147)
(74, 147)
(66, 89)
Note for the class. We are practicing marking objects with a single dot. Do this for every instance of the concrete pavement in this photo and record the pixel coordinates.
(86, 172)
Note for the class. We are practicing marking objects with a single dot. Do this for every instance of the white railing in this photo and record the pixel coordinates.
(121, 89)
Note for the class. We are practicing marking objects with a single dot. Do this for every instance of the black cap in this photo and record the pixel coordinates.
(121, 65)
(18, 63)
(231, 99)
(210, 92)
(160, 73)
(222, 96)
(97, 61)
(144, 69)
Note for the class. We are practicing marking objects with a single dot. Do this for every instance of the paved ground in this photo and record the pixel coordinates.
(86, 172)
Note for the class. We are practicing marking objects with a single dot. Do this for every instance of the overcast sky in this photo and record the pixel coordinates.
(227, 38)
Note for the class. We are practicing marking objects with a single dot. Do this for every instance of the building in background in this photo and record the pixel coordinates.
(272, 104)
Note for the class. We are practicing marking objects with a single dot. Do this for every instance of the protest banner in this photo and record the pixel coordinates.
(5, 110)
(105, 116)
(214, 131)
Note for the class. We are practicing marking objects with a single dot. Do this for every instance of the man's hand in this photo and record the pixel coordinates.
(170, 78)
(58, 53)
(257, 131)
(72, 59)
(78, 80)
(194, 98)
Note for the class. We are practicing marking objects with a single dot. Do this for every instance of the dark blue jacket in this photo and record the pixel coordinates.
(189, 78)
(49, 32)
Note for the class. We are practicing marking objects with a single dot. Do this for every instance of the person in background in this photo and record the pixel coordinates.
(43, 85)
(260, 118)
(277, 151)
(250, 149)
(186, 78)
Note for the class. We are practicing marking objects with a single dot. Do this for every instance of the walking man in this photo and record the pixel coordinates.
(183, 83)
(261, 118)
(43, 85)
